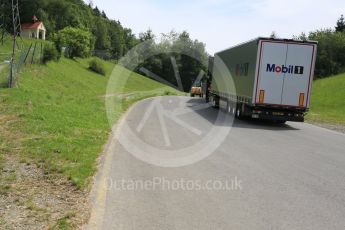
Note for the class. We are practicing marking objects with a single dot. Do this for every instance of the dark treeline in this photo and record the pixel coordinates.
(112, 40)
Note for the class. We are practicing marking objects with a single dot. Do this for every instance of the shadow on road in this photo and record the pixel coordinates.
(211, 114)
(259, 124)
(197, 100)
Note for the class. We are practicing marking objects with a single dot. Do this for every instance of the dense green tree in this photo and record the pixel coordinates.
(129, 39)
(175, 54)
(146, 36)
(340, 24)
(117, 39)
(6, 17)
(331, 52)
(192, 59)
(331, 49)
(77, 42)
(102, 38)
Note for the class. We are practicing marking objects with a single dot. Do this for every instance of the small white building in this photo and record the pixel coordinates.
(35, 30)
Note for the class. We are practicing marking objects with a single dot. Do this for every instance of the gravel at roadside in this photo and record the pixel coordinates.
(338, 128)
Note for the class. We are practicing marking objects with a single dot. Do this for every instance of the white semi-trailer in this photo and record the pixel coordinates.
(264, 79)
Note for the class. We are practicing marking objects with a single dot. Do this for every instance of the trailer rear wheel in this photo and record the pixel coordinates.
(215, 102)
(228, 107)
(239, 114)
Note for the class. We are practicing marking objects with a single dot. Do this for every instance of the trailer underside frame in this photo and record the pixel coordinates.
(241, 108)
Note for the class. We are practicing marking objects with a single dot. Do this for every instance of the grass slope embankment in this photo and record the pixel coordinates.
(53, 126)
(328, 101)
(60, 112)
(6, 49)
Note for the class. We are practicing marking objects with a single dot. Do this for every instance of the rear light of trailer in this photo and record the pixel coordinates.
(301, 99)
(262, 96)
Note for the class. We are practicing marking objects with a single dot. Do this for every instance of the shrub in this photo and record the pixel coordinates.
(78, 42)
(50, 53)
(167, 92)
(97, 66)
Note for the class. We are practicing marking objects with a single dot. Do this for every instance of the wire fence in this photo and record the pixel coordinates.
(28, 52)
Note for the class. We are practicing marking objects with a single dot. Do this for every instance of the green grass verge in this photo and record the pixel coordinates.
(328, 100)
(61, 115)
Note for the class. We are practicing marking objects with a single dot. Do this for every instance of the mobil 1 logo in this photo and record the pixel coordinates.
(285, 69)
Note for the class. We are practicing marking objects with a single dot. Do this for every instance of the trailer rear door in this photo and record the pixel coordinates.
(296, 85)
(270, 84)
(284, 73)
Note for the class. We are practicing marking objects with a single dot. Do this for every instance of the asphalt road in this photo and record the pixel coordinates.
(288, 176)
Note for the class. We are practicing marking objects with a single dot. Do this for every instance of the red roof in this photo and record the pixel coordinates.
(31, 25)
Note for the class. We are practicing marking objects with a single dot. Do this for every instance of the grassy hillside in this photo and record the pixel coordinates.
(58, 115)
(328, 100)
(5, 49)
